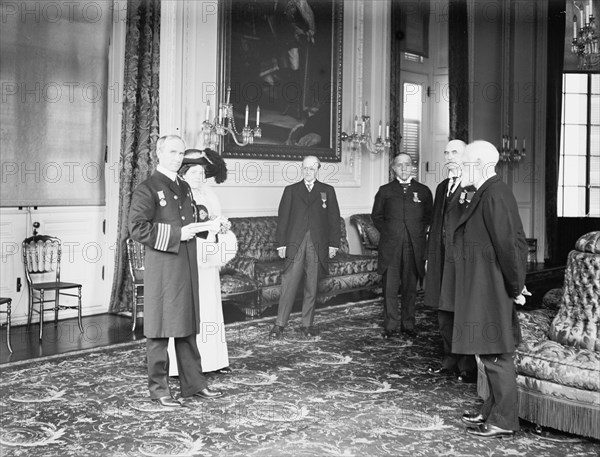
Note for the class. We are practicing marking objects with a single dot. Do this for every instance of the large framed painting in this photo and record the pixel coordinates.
(281, 65)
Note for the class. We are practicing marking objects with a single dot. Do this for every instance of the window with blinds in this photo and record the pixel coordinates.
(412, 124)
(579, 171)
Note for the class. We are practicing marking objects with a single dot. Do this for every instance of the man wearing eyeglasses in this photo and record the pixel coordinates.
(308, 233)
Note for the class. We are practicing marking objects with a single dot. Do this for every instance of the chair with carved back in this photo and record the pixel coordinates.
(8, 302)
(41, 257)
(367, 233)
(135, 258)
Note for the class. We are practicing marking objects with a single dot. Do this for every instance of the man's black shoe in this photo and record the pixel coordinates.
(276, 332)
(467, 378)
(441, 370)
(388, 334)
(490, 431)
(473, 419)
(309, 332)
(167, 402)
(207, 393)
(410, 333)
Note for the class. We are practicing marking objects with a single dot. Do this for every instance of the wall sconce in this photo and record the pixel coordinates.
(510, 154)
(224, 124)
(361, 135)
(585, 40)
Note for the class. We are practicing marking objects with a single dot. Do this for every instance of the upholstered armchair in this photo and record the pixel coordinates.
(558, 362)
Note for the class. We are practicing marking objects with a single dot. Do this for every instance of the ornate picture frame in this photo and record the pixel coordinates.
(282, 59)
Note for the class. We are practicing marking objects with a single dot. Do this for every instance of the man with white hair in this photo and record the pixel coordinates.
(308, 233)
(490, 259)
(439, 287)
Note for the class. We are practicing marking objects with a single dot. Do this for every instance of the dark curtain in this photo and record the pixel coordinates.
(458, 70)
(139, 128)
(556, 38)
(396, 50)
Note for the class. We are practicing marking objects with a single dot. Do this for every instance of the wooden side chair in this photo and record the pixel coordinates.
(135, 257)
(41, 257)
(367, 233)
(8, 302)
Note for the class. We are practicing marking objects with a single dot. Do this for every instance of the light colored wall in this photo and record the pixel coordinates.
(189, 44)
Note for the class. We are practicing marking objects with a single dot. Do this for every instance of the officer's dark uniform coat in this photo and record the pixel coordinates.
(159, 208)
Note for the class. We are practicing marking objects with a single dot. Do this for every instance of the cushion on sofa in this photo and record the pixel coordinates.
(256, 237)
(561, 364)
(235, 283)
(577, 322)
(535, 324)
(269, 273)
(347, 264)
(590, 242)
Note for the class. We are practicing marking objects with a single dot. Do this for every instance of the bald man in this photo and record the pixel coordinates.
(439, 286)
(402, 214)
(308, 233)
(490, 259)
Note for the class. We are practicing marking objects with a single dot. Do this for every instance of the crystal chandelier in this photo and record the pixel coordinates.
(585, 39)
(224, 123)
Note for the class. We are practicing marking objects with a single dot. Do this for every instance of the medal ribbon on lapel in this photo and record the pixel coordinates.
(161, 196)
(324, 199)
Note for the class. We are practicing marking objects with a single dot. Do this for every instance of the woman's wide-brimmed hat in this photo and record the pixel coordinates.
(213, 163)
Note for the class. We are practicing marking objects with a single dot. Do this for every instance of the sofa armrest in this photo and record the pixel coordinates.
(535, 324)
(243, 265)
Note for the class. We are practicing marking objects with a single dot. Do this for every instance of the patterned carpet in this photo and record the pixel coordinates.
(346, 393)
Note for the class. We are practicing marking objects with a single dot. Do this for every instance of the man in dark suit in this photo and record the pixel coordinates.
(439, 288)
(308, 233)
(490, 256)
(402, 213)
(162, 218)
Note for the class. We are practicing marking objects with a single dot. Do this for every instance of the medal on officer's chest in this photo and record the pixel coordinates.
(161, 196)
(416, 197)
(324, 199)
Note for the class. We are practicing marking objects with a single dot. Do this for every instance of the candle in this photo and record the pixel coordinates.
(247, 111)
(516, 145)
(387, 130)
(355, 124)
(363, 128)
(523, 144)
(257, 116)
(228, 93)
(208, 110)
(379, 130)
(366, 108)
(588, 11)
(574, 27)
(220, 115)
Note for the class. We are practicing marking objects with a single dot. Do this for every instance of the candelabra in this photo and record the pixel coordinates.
(361, 135)
(510, 154)
(585, 39)
(224, 123)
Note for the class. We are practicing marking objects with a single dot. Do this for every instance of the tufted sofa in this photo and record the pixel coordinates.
(257, 264)
(558, 362)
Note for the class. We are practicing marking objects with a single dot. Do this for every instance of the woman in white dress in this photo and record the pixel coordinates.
(214, 250)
